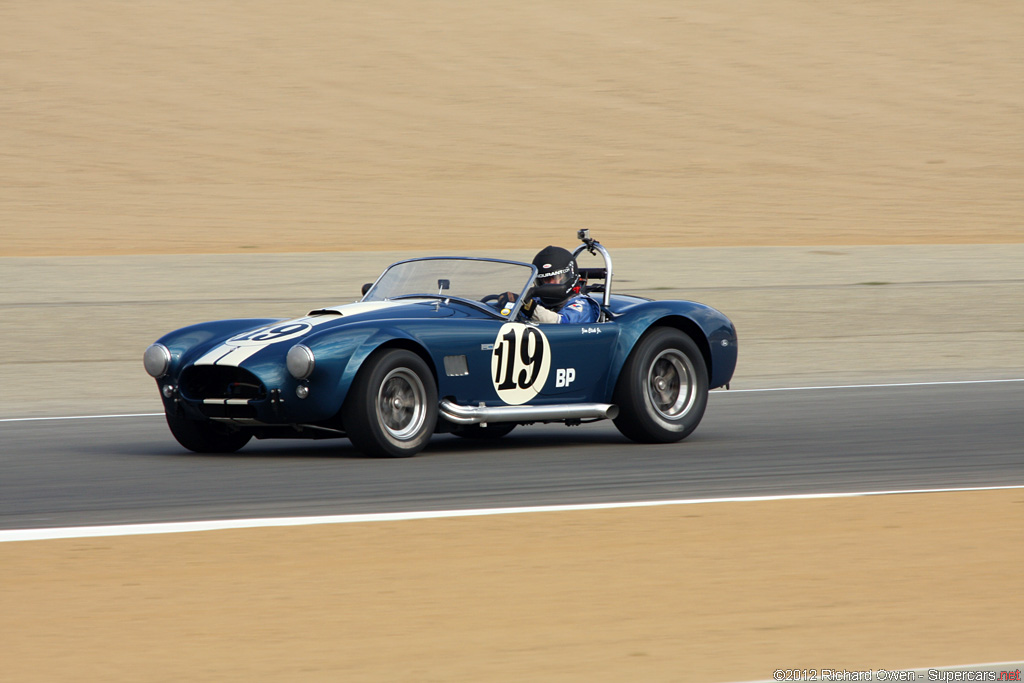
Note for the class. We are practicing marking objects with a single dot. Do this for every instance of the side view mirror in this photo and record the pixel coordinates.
(366, 287)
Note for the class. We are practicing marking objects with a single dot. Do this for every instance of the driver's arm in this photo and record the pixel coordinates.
(544, 315)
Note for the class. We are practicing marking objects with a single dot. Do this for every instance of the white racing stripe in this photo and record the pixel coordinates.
(241, 347)
(267, 522)
(360, 307)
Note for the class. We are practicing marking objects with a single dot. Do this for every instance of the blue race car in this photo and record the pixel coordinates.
(436, 346)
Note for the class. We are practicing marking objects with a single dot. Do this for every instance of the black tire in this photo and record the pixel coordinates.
(494, 430)
(391, 409)
(205, 436)
(663, 389)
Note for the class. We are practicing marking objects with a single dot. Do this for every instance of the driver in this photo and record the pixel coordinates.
(557, 296)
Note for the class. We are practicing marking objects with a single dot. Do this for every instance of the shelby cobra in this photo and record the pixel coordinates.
(433, 347)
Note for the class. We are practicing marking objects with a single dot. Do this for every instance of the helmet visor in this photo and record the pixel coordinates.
(556, 279)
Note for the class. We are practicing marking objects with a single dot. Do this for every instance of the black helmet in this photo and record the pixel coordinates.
(557, 279)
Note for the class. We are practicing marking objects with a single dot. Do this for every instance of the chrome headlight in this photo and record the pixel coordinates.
(157, 359)
(300, 361)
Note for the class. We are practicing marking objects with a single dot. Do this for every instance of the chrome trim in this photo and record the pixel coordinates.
(157, 360)
(607, 267)
(300, 361)
(671, 385)
(456, 366)
(468, 415)
(247, 421)
(401, 405)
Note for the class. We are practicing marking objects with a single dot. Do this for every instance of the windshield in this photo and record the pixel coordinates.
(473, 279)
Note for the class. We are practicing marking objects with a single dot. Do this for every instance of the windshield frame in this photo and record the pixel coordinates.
(527, 286)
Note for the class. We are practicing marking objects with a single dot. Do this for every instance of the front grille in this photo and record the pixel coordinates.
(200, 382)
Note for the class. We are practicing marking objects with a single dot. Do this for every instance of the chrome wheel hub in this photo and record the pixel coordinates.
(401, 404)
(671, 384)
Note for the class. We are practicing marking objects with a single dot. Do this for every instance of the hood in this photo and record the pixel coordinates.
(242, 346)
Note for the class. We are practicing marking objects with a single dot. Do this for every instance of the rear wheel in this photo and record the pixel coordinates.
(663, 389)
(391, 409)
(204, 436)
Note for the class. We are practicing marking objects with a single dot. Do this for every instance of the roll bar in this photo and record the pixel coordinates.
(594, 247)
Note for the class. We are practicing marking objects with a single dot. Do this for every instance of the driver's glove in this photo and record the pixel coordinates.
(505, 299)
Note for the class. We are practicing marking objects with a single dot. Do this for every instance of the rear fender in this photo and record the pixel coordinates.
(711, 330)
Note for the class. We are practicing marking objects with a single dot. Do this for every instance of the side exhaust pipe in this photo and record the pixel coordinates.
(468, 415)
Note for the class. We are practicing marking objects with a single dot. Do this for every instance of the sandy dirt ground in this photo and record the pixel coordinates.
(237, 128)
(717, 592)
(321, 126)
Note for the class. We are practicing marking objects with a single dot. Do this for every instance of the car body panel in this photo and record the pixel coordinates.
(712, 330)
(480, 356)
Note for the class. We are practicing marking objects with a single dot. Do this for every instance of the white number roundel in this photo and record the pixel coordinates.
(271, 334)
(520, 362)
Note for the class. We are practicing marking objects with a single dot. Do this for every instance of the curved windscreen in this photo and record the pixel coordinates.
(479, 280)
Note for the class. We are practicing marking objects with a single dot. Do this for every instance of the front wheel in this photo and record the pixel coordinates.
(204, 436)
(663, 389)
(391, 409)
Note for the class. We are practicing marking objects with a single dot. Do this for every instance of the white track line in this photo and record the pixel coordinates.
(714, 393)
(78, 417)
(871, 386)
(218, 525)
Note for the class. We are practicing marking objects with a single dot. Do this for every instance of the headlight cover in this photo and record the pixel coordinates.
(157, 359)
(300, 361)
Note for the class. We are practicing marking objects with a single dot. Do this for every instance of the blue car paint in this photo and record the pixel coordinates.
(595, 353)
(188, 344)
(717, 338)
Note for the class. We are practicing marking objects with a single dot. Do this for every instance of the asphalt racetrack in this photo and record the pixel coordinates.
(119, 470)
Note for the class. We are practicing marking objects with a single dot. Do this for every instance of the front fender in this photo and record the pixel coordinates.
(341, 353)
(709, 328)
